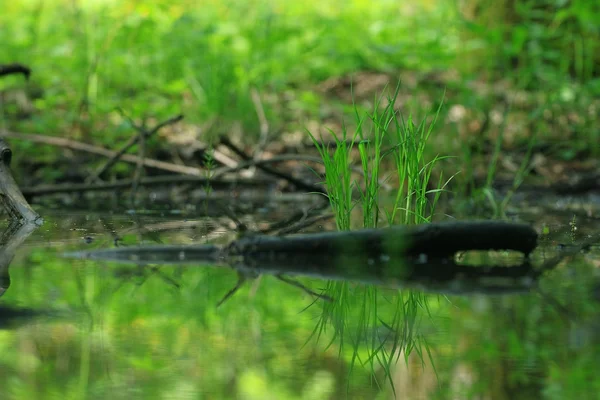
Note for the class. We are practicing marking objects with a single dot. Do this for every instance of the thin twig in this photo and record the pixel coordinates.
(224, 158)
(283, 158)
(297, 221)
(300, 215)
(273, 160)
(305, 223)
(143, 133)
(297, 284)
(101, 151)
(101, 170)
(300, 184)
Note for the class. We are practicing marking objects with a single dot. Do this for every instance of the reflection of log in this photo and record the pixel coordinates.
(418, 256)
(14, 317)
(10, 195)
(437, 275)
(440, 276)
(12, 238)
(162, 254)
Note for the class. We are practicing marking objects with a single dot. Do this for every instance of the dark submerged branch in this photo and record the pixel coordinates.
(149, 181)
(10, 69)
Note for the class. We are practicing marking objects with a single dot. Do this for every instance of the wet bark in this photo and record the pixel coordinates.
(10, 196)
(437, 240)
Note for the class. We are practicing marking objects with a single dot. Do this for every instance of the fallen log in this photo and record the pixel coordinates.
(438, 240)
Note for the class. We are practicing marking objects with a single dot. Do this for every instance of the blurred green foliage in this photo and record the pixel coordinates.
(158, 58)
(537, 43)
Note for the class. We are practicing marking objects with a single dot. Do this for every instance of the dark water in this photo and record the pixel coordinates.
(91, 329)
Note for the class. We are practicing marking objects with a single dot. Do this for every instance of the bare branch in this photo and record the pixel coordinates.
(143, 133)
(101, 151)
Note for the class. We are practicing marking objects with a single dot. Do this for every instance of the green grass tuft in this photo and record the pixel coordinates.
(359, 313)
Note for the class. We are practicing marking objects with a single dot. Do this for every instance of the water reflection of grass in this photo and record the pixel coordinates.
(147, 339)
(359, 312)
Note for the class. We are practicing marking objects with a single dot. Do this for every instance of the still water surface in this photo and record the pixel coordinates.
(91, 329)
